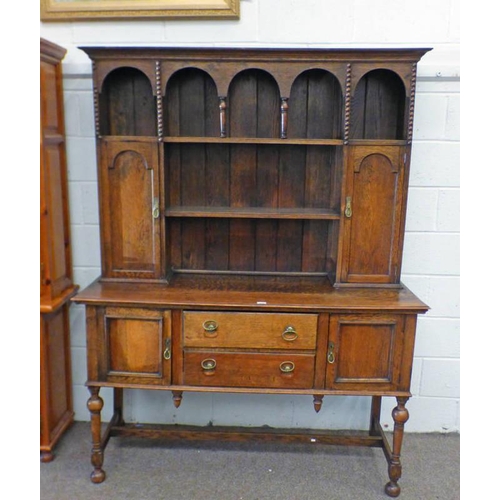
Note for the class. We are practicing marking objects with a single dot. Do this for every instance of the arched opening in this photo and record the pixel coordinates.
(254, 105)
(191, 105)
(378, 106)
(315, 106)
(127, 104)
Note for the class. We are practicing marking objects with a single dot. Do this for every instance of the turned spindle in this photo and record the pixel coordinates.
(222, 114)
(284, 118)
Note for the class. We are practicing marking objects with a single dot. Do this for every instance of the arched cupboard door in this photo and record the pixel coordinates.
(372, 215)
(130, 212)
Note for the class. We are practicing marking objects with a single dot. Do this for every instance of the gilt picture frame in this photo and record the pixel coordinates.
(87, 10)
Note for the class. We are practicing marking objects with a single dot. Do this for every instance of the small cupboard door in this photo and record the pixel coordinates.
(130, 209)
(372, 215)
(365, 351)
(137, 346)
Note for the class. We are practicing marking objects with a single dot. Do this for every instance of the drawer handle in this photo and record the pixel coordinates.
(289, 334)
(210, 326)
(287, 366)
(208, 366)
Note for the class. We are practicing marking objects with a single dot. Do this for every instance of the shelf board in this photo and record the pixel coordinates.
(253, 213)
(253, 140)
(377, 142)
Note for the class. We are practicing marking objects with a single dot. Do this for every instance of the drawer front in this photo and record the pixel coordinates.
(226, 369)
(250, 330)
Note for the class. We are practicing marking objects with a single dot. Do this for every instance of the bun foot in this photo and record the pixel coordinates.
(392, 489)
(46, 456)
(98, 476)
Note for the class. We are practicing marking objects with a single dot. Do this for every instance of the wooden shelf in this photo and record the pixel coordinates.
(254, 140)
(253, 213)
(377, 142)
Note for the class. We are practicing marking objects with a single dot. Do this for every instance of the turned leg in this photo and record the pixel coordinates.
(118, 405)
(400, 415)
(375, 415)
(95, 404)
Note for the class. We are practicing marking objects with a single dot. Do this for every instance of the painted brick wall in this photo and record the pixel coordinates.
(431, 265)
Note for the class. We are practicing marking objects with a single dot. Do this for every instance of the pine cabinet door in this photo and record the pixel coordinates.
(365, 352)
(130, 210)
(372, 215)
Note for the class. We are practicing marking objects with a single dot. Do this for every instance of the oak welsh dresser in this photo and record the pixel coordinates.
(252, 213)
(56, 271)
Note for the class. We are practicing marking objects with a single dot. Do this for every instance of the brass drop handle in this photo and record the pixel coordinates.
(348, 207)
(167, 353)
(331, 354)
(156, 208)
(208, 366)
(210, 326)
(289, 334)
(287, 366)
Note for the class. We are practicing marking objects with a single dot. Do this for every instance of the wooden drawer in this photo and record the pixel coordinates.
(229, 369)
(250, 330)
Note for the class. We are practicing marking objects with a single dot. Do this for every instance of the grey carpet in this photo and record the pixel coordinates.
(140, 469)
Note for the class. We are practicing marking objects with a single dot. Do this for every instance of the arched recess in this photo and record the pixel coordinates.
(127, 105)
(254, 105)
(378, 106)
(315, 107)
(191, 104)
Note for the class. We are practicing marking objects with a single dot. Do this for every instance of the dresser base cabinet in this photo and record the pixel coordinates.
(171, 337)
(252, 209)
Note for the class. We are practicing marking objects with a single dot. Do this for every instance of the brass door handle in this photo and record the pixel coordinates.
(156, 208)
(348, 207)
(331, 354)
(167, 353)
(289, 334)
(287, 366)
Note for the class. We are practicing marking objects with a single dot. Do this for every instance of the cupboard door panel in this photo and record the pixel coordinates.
(55, 371)
(136, 341)
(365, 351)
(131, 235)
(374, 195)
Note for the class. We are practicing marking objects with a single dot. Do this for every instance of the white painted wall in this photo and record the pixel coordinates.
(431, 264)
